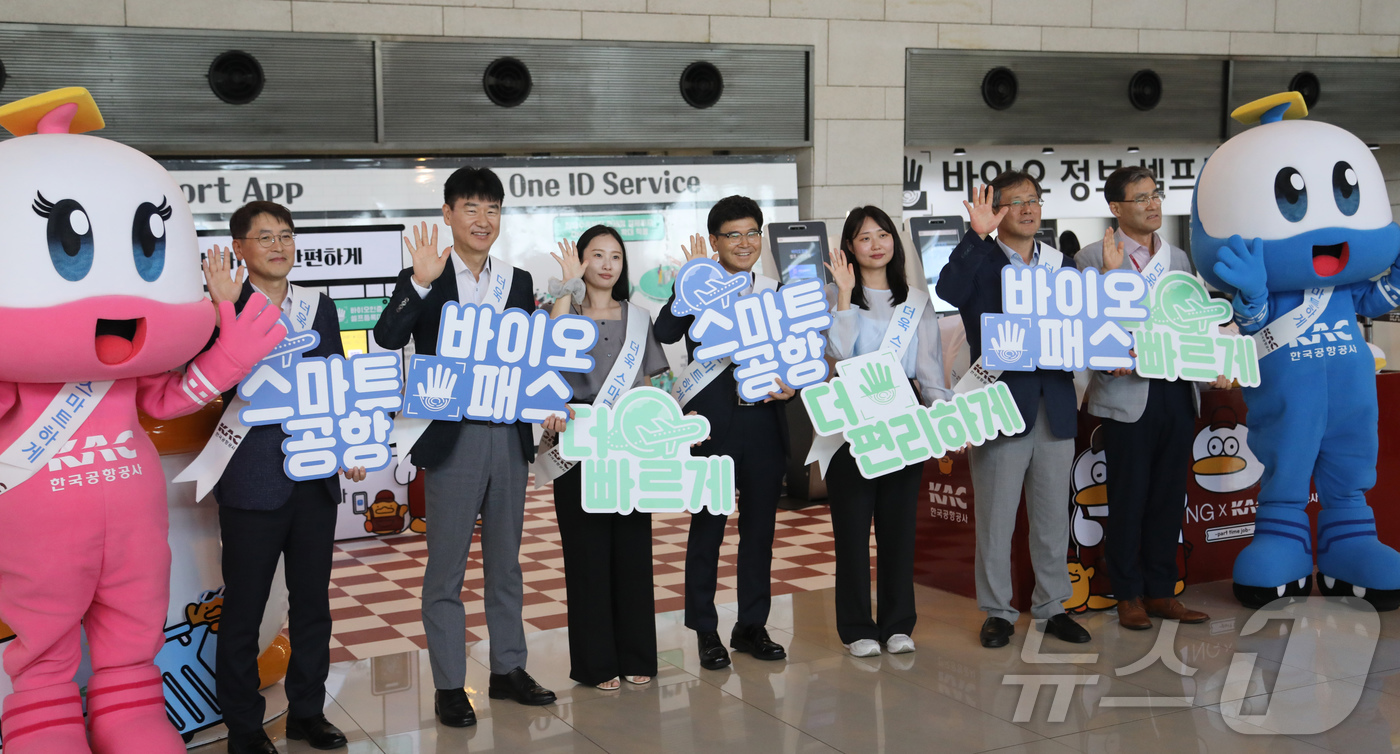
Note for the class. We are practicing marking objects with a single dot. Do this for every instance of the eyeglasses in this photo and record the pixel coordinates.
(735, 235)
(1147, 199)
(268, 240)
(1019, 203)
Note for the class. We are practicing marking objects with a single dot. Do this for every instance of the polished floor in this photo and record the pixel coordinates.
(950, 695)
(376, 582)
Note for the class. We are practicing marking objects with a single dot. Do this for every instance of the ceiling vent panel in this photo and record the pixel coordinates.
(1362, 96)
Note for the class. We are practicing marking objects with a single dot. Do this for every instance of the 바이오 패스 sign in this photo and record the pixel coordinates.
(500, 368)
(336, 410)
(1182, 338)
(636, 457)
(1063, 319)
(872, 404)
(771, 335)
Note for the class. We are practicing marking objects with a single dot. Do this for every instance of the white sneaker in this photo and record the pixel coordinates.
(899, 644)
(864, 648)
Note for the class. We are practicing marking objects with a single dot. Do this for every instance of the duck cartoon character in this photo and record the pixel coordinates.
(385, 515)
(1088, 515)
(102, 312)
(1292, 218)
(1220, 456)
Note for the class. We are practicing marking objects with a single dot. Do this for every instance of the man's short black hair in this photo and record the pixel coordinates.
(732, 208)
(242, 219)
(1115, 189)
(473, 183)
(1011, 179)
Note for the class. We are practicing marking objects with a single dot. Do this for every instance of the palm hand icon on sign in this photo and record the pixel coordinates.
(1009, 343)
(877, 383)
(436, 394)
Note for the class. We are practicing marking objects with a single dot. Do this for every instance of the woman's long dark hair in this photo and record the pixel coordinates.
(622, 289)
(894, 271)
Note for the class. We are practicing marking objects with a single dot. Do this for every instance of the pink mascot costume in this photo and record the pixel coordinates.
(101, 297)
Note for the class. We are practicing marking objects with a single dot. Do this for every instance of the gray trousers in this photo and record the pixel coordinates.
(999, 467)
(486, 473)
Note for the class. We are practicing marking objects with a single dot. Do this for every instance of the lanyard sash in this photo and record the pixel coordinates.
(208, 467)
(54, 427)
(549, 465)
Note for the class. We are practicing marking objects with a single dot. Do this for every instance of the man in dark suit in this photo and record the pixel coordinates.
(755, 436)
(1040, 457)
(472, 467)
(264, 515)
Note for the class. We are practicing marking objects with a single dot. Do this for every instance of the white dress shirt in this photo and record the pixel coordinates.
(471, 289)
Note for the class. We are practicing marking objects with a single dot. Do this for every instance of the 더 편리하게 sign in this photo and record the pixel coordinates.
(336, 410)
(499, 368)
(771, 335)
(872, 404)
(1182, 338)
(1063, 319)
(636, 457)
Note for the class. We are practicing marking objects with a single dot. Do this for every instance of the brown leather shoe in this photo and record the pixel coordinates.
(1132, 615)
(1169, 608)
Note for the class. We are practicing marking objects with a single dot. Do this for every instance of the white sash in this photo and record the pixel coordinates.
(208, 467)
(549, 464)
(73, 404)
(1287, 328)
(697, 375)
(1159, 265)
(898, 333)
(978, 376)
(407, 429)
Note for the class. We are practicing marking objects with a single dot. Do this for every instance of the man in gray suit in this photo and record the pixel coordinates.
(1148, 424)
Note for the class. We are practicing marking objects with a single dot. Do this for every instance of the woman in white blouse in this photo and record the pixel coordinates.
(870, 282)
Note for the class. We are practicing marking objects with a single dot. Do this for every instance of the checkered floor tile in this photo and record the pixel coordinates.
(376, 583)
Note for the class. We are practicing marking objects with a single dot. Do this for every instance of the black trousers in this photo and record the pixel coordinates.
(755, 443)
(1147, 467)
(303, 532)
(891, 501)
(608, 583)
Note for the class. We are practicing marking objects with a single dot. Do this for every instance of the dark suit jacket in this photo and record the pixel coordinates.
(410, 316)
(720, 399)
(254, 478)
(971, 281)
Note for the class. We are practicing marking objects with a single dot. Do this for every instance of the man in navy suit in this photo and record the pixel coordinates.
(264, 515)
(472, 467)
(1041, 456)
(755, 436)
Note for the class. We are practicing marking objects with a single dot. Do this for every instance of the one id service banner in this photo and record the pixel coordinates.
(351, 214)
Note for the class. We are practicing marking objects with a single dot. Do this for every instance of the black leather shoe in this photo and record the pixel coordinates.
(713, 655)
(316, 731)
(755, 641)
(1064, 628)
(453, 708)
(252, 743)
(996, 632)
(518, 685)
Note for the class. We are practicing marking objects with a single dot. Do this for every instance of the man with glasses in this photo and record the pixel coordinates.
(755, 436)
(472, 467)
(1039, 458)
(1148, 424)
(264, 516)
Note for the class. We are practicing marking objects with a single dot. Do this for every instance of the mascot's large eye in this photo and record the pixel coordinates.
(1291, 194)
(69, 235)
(1346, 188)
(1099, 472)
(1232, 446)
(148, 239)
(1215, 447)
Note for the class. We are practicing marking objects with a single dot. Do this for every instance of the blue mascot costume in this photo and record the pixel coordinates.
(1293, 218)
